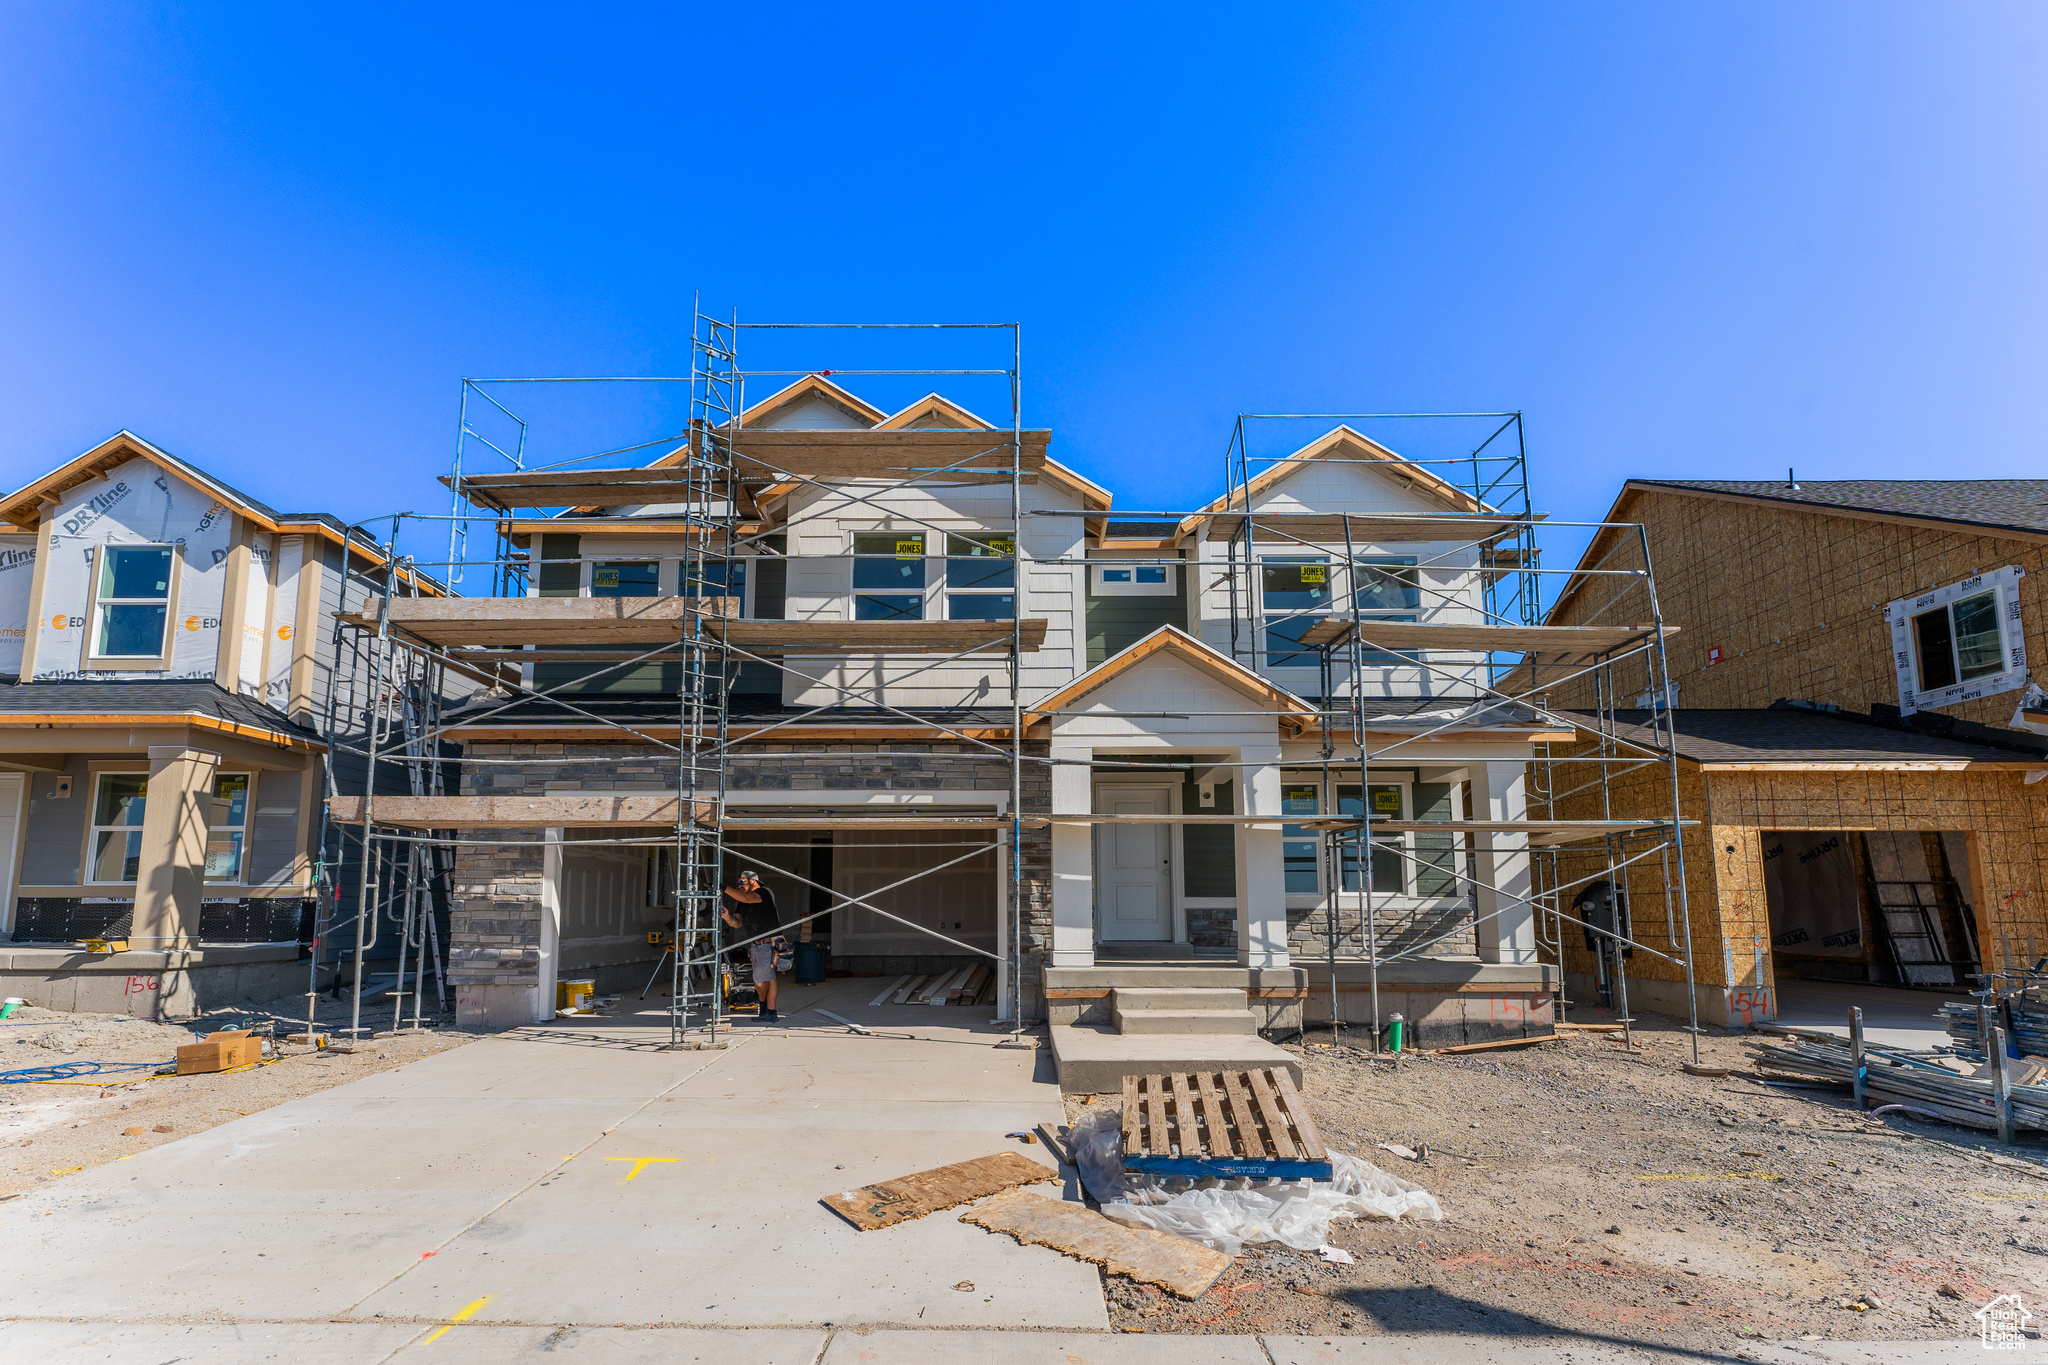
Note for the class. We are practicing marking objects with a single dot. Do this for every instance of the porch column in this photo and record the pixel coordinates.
(1073, 857)
(1261, 873)
(171, 871)
(1506, 927)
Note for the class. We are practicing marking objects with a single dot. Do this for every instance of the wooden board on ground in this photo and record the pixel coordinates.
(1497, 1043)
(1222, 1124)
(914, 1196)
(1173, 1263)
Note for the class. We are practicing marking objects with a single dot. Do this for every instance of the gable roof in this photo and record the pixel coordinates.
(23, 508)
(1788, 738)
(932, 410)
(811, 386)
(1344, 443)
(1294, 712)
(2015, 509)
(1996, 506)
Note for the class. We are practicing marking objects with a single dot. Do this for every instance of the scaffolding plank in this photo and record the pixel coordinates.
(1583, 642)
(880, 637)
(1324, 528)
(913, 1196)
(891, 454)
(566, 809)
(546, 620)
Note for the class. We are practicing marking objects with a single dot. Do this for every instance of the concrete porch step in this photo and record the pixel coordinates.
(1094, 1061)
(1129, 998)
(1185, 1021)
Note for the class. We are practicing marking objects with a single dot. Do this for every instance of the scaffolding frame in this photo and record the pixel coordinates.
(1496, 534)
(715, 466)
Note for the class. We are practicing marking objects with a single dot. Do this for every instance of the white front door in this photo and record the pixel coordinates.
(1133, 868)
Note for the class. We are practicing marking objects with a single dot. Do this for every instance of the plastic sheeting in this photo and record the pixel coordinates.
(1225, 1214)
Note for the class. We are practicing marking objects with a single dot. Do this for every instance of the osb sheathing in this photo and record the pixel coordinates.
(1724, 878)
(1793, 599)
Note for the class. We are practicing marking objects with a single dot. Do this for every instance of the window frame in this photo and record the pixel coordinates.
(991, 540)
(91, 662)
(1906, 614)
(93, 829)
(1271, 618)
(1102, 586)
(923, 592)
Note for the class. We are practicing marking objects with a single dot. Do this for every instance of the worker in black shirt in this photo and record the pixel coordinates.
(749, 911)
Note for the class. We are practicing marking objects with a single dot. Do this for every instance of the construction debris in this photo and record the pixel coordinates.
(1915, 1079)
(221, 1051)
(913, 1196)
(1174, 1264)
(973, 985)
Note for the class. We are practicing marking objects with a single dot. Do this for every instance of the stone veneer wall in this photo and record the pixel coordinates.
(494, 938)
(1432, 928)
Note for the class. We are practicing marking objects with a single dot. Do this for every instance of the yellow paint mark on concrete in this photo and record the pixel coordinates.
(641, 1163)
(68, 1170)
(463, 1316)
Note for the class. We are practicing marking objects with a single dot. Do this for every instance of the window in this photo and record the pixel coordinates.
(1298, 845)
(133, 602)
(117, 810)
(227, 827)
(117, 827)
(1135, 580)
(888, 576)
(1388, 590)
(981, 578)
(1959, 642)
(1295, 592)
(625, 578)
(1388, 869)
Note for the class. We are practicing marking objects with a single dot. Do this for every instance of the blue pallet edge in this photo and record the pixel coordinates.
(1222, 1168)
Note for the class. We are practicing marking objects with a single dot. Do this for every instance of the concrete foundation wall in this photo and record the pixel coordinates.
(153, 985)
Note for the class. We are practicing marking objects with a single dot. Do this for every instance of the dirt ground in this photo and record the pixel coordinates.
(49, 1130)
(1612, 1197)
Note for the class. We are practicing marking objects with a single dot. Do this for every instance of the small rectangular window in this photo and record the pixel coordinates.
(227, 827)
(1959, 641)
(981, 578)
(1388, 869)
(133, 603)
(1134, 580)
(1298, 846)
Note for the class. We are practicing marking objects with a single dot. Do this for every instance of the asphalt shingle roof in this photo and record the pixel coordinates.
(1781, 735)
(2009, 504)
(145, 698)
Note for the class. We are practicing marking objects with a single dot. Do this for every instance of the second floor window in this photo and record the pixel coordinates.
(888, 576)
(133, 602)
(1959, 642)
(1294, 590)
(981, 578)
(625, 578)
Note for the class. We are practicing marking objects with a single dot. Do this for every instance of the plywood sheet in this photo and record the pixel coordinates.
(1173, 1263)
(914, 1196)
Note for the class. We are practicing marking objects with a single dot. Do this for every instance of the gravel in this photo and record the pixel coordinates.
(1588, 1191)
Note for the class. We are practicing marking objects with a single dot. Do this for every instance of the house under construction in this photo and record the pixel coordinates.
(1179, 777)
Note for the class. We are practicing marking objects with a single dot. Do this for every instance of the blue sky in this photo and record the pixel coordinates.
(1702, 241)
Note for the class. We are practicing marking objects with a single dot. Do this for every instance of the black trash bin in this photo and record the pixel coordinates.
(811, 961)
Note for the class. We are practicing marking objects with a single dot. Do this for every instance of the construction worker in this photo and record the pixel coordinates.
(749, 910)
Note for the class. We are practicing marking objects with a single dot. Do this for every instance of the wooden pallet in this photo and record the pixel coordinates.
(1231, 1123)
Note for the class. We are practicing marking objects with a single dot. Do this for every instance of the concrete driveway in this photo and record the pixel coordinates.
(576, 1175)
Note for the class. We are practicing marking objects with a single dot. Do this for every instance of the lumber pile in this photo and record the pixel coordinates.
(973, 985)
(2024, 1019)
(1906, 1076)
